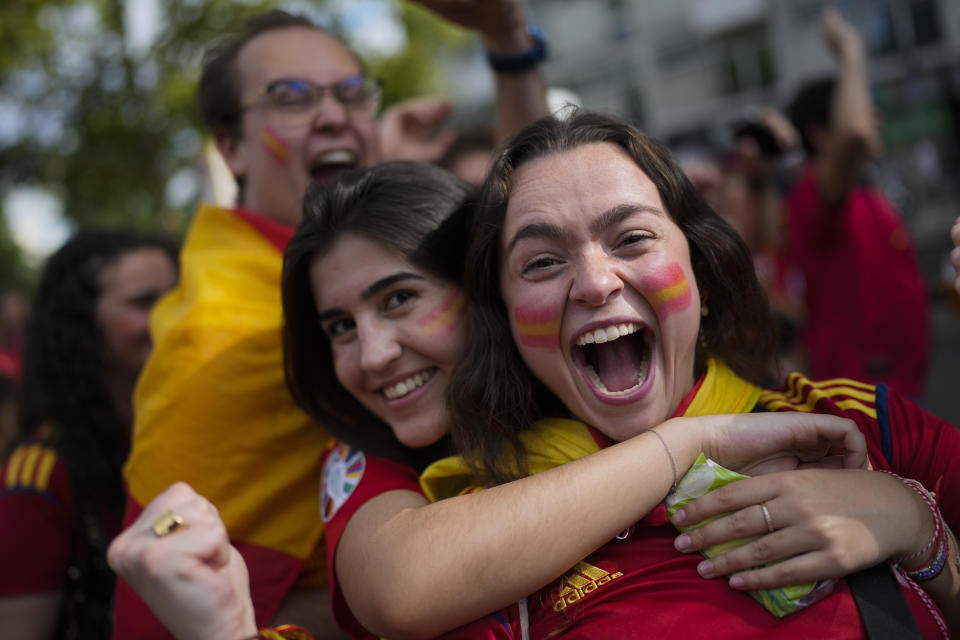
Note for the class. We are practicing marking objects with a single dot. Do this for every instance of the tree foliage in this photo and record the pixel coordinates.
(112, 128)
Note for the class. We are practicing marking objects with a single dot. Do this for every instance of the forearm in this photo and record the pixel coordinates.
(521, 97)
(445, 564)
(852, 136)
(851, 117)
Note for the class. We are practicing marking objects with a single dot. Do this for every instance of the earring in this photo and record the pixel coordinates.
(704, 311)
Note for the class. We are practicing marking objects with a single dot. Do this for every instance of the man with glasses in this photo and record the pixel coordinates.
(287, 103)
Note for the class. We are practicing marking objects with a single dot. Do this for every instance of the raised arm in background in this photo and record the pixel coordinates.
(851, 138)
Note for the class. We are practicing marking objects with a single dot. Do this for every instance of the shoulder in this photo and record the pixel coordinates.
(350, 478)
(838, 396)
(864, 403)
(35, 495)
(35, 468)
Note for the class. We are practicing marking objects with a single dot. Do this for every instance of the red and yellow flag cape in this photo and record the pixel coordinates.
(212, 408)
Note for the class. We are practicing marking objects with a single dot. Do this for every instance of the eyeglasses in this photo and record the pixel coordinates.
(295, 101)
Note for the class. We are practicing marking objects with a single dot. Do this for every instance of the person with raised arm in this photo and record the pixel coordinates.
(866, 302)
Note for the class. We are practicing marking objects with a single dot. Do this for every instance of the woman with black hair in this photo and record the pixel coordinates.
(61, 500)
(373, 330)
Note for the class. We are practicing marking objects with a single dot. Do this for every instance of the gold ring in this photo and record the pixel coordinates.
(767, 518)
(167, 523)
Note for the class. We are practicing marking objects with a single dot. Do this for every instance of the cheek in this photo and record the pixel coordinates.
(275, 145)
(537, 326)
(126, 325)
(344, 367)
(667, 290)
(443, 319)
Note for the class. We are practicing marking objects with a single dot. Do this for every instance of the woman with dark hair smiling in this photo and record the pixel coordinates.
(373, 330)
(61, 499)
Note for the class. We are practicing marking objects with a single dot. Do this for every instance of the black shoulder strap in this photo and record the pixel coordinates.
(882, 605)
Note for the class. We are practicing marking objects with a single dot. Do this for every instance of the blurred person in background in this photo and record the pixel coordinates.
(756, 174)
(287, 104)
(61, 498)
(471, 154)
(866, 303)
(8, 415)
(13, 318)
(955, 253)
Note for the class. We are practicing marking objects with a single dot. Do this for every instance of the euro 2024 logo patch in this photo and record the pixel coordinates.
(341, 475)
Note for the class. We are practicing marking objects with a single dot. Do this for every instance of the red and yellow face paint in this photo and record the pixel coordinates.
(668, 290)
(275, 146)
(441, 321)
(537, 326)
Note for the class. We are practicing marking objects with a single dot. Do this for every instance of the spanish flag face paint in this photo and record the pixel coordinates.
(275, 146)
(537, 327)
(443, 319)
(667, 290)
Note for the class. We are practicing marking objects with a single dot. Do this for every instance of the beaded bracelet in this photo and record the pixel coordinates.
(935, 562)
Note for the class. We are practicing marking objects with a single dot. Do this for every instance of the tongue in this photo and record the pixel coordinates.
(618, 364)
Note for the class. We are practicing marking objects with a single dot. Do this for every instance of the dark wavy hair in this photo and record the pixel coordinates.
(64, 399)
(419, 210)
(492, 395)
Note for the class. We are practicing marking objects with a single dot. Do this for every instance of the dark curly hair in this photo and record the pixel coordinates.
(419, 210)
(65, 401)
(492, 395)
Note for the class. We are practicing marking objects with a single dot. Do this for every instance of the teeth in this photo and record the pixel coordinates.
(606, 334)
(404, 387)
(340, 156)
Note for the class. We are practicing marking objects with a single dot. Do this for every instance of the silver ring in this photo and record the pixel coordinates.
(767, 518)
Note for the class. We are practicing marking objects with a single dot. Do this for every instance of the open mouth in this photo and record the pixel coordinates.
(614, 358)
(326, 167)
(408, 385)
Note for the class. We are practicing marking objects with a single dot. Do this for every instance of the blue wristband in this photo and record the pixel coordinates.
(524, 61)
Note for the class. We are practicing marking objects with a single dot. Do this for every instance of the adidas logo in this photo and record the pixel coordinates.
(581, 580)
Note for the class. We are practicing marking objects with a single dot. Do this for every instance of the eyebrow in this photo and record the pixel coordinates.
(372, 290)
(609, 218)
(388, 281)
(619, 213)
(538, 230)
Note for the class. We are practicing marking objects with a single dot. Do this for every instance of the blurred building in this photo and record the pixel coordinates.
(685, 69)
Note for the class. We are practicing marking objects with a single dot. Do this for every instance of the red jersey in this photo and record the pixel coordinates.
(350, 479)
(865, 299)
(38, 534)
(641, 586)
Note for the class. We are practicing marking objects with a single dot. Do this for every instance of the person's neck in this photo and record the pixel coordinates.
(277, 214)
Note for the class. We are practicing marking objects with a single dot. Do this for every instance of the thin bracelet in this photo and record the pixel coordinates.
(673, 464)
